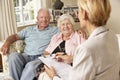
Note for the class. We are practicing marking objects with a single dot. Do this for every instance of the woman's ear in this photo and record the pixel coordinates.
(85, 15)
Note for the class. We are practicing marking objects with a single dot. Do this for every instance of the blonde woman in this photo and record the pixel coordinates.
(98, 57)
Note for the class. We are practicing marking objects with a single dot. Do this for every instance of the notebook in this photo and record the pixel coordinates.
(62, 69)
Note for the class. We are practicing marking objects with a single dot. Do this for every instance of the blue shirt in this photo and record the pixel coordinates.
(36, 40)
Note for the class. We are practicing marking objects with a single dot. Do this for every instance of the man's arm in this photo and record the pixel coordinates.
(8, 42)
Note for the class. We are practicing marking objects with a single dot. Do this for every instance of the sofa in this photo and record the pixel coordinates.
(18, 46)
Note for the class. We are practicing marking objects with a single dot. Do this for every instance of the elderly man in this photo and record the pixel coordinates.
(23, 66)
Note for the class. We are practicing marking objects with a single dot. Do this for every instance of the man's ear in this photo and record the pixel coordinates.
(37, 18)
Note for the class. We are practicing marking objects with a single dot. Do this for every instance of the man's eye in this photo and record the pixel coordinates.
(63, 24)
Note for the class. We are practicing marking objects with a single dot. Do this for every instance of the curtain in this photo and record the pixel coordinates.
(46, 4)
(7, 19)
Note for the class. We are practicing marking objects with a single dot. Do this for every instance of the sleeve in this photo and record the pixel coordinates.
(50, 48)
(83, 65)
(44, 76)
(56, 78)
(23, 33)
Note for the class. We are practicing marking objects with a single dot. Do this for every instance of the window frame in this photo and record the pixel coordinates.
(20, 11)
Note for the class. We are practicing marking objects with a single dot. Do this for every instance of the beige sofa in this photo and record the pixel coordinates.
(18, 46)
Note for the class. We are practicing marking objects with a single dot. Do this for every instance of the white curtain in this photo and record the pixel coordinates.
(7, 19)
(46, 4)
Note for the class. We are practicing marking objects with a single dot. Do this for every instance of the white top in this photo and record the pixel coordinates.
(97, 58)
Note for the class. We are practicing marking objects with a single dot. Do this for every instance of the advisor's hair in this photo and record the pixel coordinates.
(98, 11)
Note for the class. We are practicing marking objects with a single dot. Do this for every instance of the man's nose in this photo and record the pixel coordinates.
(44, 19)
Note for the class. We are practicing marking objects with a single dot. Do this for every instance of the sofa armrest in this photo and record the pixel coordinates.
(17, 46)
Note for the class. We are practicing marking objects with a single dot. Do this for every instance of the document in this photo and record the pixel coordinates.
(62, 69)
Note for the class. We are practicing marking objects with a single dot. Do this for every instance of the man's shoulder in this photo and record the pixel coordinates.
(30, 27)
(53, 28)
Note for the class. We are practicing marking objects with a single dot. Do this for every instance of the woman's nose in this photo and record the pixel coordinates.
(66, 25)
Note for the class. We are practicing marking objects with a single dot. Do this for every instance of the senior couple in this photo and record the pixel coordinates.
(95, 59)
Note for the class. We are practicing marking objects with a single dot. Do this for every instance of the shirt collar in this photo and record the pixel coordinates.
(61, 35)
(36, 28)
(97, 31)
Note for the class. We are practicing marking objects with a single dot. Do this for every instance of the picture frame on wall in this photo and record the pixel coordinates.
(73, 11)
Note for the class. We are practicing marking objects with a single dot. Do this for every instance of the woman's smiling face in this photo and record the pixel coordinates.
(66, 27)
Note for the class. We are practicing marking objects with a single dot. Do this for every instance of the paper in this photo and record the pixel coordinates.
(62, 69)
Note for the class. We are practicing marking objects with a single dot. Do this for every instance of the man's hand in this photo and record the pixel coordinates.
(6, 45)
(50, 71)
(5, 49)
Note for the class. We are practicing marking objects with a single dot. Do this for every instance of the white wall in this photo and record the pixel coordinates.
(69, 2)
(114, 21)
(118, 35)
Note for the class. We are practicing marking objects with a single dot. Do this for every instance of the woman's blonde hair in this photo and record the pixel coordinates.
(63, 17)
(98, 11)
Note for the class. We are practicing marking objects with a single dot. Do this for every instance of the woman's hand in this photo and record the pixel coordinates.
(45, 53)
(60, 57)
(50, 71)
(82, 33)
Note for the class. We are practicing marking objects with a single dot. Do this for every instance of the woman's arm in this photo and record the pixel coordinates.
(51, 73)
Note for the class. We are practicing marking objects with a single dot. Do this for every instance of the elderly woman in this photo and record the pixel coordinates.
(66, 41)
(98, 57)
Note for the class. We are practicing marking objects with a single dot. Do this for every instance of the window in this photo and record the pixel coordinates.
(24, 11)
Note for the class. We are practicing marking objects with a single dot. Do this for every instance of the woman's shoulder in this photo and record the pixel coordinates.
(76, 34)
(57, 35)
